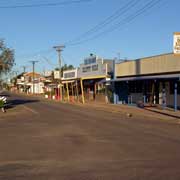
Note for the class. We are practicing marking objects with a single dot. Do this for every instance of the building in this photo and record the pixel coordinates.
(152, 80)
(91, 72)
(24, 83)
(84, 83)
(71, 87)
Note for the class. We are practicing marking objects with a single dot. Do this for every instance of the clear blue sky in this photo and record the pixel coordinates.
(33, 30)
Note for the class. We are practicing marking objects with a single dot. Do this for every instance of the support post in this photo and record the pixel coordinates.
(77, 94)
(72, 89)
(106, 94)
(175, 96)
(131, 100)
(128, 100)
(82, 90)
(144, 99)
(67, 88)
(164, 97)
(114, 77)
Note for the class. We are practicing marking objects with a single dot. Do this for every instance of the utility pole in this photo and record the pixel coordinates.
(24, 69)
(59, 49)
(119, 55)
(33, 63)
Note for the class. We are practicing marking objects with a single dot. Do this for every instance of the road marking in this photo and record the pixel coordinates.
(30, 109)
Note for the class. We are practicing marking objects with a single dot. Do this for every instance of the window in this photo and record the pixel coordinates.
(95, 67)
(86, 69)
(90, 61)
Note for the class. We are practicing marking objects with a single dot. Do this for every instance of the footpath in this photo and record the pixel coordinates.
(167, 114)
(151, 112)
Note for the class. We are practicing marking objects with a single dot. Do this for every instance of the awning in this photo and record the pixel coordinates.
(94, 77)
(70, 81)
(155, 77)
(20, 83)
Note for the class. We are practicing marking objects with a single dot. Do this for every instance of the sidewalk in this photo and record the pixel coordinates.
(151, 112)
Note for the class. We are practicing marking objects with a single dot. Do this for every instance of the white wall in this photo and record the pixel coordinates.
(38, 88)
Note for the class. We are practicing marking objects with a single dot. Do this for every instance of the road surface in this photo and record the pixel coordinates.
(44, 140)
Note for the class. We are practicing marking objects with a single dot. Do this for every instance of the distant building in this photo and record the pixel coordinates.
(25, 83)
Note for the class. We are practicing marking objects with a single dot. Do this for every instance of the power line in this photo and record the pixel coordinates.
(44, 4)
(121, 24)
(48, 61)
(122, 10)
(46, 51)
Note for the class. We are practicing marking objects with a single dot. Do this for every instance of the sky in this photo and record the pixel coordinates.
(32, 32)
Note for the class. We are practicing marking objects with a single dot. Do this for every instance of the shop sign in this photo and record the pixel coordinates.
(176, 46)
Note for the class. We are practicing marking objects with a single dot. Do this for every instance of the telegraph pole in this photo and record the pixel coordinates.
(33, 63)
(24, 69)
(59, 49)
(119, 55)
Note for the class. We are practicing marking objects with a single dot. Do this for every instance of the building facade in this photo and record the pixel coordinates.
(91, 72)
(153, 80)
(25, 83)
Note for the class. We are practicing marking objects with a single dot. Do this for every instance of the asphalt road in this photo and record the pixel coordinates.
(54, 141)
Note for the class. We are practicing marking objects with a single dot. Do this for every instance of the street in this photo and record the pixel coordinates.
(59, 141)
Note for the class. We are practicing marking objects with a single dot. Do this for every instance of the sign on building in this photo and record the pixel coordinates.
(56, 75)
(70, 74)
(176, 45)
(47, 73)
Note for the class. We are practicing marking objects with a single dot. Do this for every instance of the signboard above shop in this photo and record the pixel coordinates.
(56, 75)
(176, 44)
(47, 73)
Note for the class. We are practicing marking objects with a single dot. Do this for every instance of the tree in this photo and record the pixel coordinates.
(6, 58)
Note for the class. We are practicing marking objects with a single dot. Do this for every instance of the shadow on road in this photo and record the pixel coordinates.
(16, 102)
(163, 113)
